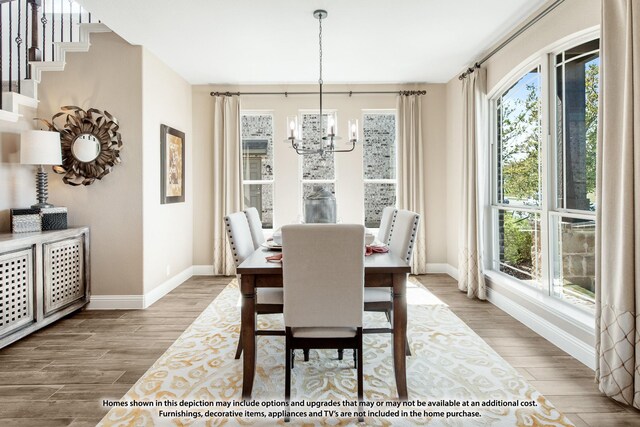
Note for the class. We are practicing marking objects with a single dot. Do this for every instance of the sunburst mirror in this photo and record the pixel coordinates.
(90, 142)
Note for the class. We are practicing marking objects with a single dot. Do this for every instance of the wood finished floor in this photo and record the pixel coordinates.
(57, 376)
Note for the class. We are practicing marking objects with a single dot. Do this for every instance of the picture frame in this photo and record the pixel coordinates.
(172, 165)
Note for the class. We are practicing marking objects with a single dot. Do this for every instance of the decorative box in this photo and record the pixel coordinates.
(25, 220)
(54, 218)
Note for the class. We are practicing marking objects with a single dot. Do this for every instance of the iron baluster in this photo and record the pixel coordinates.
(44, 30)
(53, 30)
(10, 47)
(26, 40)
(19, 42)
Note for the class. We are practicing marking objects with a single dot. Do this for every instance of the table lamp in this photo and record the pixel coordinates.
(40, 147)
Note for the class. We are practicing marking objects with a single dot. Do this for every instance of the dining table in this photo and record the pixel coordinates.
(385, 270)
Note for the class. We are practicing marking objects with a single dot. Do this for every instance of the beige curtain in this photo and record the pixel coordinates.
(412, 172)
(227, 177)
(470, 274)
(618, 204)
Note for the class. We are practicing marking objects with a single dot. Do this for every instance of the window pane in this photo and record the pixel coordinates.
(260, 196)
(257, 147)
(518, 151)
(577, 81)
(376, 198)
(519, 245)
(379, 157)
(315, 166)
(574, 261)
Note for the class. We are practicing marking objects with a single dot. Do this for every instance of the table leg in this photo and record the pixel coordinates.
(400, 332)
(247, 286)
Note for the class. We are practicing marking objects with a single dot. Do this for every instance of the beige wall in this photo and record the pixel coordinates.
(349, 172)
(168, 229)
(571, 17)
(108, 77)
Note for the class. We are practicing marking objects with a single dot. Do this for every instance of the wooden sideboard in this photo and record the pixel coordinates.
(43, 276)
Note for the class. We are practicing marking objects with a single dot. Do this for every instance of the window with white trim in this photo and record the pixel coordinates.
(257, 163)
(379, 163)
(316, 171)
(543, 188)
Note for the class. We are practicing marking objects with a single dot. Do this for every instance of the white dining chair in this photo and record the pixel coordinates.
(268, 300)
(402, 239)
(386, 224)
(323, 274)
(255, 226)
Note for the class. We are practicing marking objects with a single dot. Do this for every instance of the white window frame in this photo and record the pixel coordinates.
(548, 210)
(273, 160)
(301, 159)
(381, 111)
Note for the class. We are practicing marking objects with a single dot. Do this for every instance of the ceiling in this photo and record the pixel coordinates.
(263, 42)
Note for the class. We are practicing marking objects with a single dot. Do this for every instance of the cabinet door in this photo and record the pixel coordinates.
(16, 290)
(64, 273)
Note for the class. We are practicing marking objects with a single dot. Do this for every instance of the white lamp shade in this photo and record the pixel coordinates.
(40, 147)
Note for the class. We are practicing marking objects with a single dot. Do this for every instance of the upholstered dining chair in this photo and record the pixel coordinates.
(268, 300)
(323, 277)
(402, 239)
(386, 224)
(255, 226)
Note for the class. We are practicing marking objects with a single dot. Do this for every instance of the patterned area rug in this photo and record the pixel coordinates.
(454, 378)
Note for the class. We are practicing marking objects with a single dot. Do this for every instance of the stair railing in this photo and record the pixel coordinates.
(29, 30)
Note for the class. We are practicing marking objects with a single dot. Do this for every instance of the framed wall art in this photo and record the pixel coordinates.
(172, 163)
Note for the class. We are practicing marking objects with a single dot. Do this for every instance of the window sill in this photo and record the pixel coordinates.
(563, 310)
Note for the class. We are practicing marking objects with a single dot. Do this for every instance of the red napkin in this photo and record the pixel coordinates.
(370, 250)
(276, 257)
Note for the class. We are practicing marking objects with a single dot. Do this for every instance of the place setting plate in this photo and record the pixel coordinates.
(271, 245)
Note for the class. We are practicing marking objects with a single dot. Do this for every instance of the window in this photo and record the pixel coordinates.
(572, 221)
(257, 163)
(379, 164)
(543, 211)
(317, 171)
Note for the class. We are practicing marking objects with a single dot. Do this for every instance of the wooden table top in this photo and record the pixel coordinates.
(375, 263)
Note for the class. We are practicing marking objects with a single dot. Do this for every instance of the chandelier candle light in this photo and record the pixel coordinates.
(327, 140)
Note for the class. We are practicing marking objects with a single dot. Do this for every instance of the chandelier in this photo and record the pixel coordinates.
(328, 136)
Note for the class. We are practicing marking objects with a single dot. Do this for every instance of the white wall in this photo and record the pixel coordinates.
(349, 170)
(168, 229)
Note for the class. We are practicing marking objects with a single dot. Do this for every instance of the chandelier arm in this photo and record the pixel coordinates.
(353, 146)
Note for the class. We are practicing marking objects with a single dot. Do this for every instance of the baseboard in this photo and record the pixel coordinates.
(203, 270)
(116, 302)
(562, 339)
(139, 302)
(159, 291)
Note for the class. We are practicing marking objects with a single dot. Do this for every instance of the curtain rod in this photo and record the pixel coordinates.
(528, 25)
(350, 92)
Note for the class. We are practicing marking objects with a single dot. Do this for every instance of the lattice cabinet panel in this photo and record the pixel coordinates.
(16, 290)
(63, 273)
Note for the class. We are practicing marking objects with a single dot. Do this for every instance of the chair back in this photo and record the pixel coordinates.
(239, 236)
(403, 235)
(386, 224)
(323, 274)
(255, 225)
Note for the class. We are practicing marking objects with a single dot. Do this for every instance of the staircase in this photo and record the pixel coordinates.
(26, 50)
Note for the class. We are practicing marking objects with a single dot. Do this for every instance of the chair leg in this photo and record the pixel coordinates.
(355, 358)
(388, 314)
(360, 374)
(306, 354)
(287, 375)
(340, 353)
(239, 349)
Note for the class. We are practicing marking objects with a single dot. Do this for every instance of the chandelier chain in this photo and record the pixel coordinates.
(320, 42)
